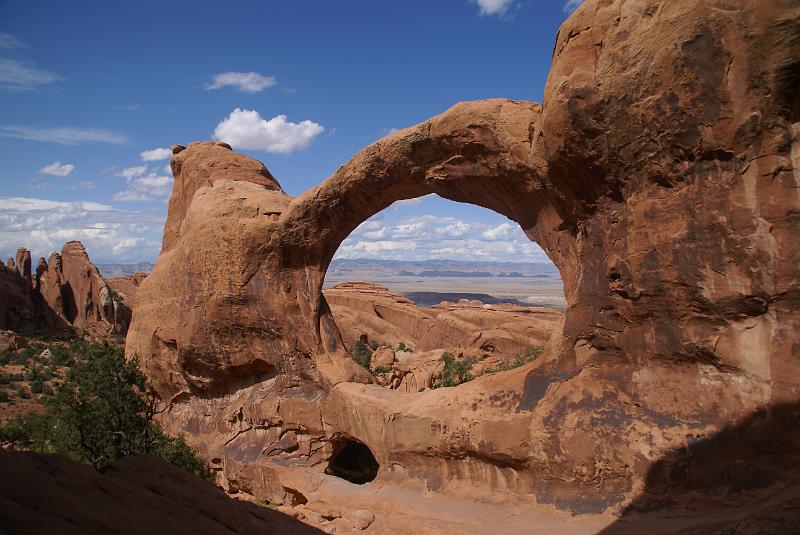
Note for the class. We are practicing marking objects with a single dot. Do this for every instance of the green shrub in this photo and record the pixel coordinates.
(21, 392)
(381, 369)
(361, 354)
(403, 347)
(37, 386)
(456, 371)
(4, 398)
(520, 359)
(8, 378)
(374, 345)
(6, 357)
(32, 374)
(101, 413)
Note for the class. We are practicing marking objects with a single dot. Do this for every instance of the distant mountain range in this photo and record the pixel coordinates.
(360, 268)
(111, 271)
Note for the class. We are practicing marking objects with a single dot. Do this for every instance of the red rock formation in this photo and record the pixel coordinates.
(385, 317)
(23, 263)
(660, 175)
(125, 287)
(67, 290)
(17, 309)
(85, 298)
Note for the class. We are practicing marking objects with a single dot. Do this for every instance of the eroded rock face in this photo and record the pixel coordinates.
(125, 287)
(16, 306)
(73, 287)
(660, 175)
(66, 290)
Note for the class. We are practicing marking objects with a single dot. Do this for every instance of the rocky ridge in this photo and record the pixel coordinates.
(65, 290)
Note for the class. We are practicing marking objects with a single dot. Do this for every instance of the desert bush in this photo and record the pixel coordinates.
(520, 359)
(32, 374)
(62, 356)
(37, 386)
(361, 354)
(4, 398)
(456, 371)
(381, 369)
(100, 413)
(8, 378)
(21, 392)
(6, 357)
(403, 347)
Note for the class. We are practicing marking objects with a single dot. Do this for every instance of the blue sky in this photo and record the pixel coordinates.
(89, 91)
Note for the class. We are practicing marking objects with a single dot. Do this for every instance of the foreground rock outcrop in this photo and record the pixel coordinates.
(660, 175)
(52, 494)
(65, 290)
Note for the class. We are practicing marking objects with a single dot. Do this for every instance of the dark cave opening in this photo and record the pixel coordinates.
(353, 461)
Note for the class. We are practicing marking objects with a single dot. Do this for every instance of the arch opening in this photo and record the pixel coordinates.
(432, 293)
(352, 461)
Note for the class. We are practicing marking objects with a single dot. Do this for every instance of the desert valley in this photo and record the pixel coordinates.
(642, 376)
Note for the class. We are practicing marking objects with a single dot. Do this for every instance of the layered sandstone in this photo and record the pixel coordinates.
(660, 174)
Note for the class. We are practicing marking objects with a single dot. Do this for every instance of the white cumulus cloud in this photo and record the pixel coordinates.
(146, 188)
(494, 7)
(110, 235)
(431, 237)
(57, 169)
(248, 82)
(246, 129)
(500, 231)
(130, 172)
(153, 155)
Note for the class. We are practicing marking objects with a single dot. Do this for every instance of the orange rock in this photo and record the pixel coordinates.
(659, 175)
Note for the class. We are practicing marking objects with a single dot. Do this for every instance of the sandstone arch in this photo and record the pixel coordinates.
(661, 176)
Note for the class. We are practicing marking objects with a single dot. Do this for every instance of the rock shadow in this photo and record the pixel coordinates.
(743, 479)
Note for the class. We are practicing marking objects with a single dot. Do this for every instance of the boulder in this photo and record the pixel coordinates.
(383, 357)
(360, 519)
(11, 341)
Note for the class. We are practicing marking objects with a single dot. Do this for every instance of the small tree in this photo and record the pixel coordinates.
(361, 354)
(456, 371)
(101, 412)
